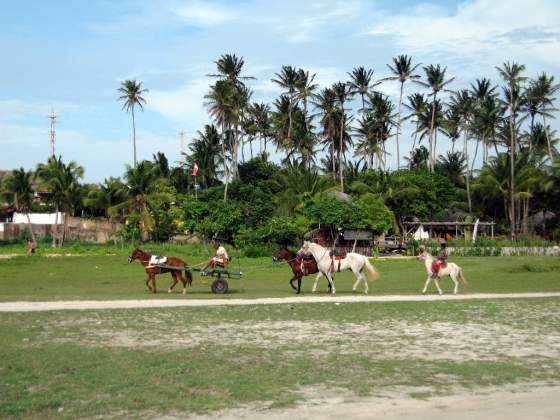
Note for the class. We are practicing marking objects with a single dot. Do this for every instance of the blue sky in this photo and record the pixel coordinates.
(71, 56)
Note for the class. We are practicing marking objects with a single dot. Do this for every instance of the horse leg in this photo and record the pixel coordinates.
(148, 285)
(174, 276)
(292, 283)
(299, 285)
(316, 282)
(429, 279)
(187, 275)
(437, 285)
(331, 282)
(154, 284)
(453, 276)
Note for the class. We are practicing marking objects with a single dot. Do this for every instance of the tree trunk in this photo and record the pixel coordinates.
(512, 168)
(134, 136)
(466, 153)
(399, 128)
(431, 139)
(66, 214)
(225, 163)
(547, 138)
(340, 153)
(30, 227)
(55, 230)
(475, 154)
(333, 160)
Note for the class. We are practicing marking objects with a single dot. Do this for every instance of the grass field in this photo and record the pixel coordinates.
(111, 277)
(178, 361)
(147, 363)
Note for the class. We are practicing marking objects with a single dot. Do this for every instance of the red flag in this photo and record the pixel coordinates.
(195, 169)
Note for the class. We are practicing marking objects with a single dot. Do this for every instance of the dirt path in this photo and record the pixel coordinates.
(170, 303)
(515, 403)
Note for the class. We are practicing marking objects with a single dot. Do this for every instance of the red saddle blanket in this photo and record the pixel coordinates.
(438, 265)
(337, 255)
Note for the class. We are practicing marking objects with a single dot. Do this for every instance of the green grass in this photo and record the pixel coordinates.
(111, 277)
(196, 360)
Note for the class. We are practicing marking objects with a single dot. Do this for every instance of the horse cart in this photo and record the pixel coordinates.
(220, 275)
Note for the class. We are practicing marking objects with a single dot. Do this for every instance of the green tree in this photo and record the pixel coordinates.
(19, 187)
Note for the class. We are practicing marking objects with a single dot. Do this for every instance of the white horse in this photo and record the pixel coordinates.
(451, 269)
(327, 265)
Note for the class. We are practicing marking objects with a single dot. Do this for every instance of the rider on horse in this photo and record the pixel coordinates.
(439, 263)
(221, 259)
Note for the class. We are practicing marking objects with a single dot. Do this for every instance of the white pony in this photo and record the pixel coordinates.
(352, 261)
(451, 269)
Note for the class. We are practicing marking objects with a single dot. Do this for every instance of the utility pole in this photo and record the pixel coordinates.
(52, 117)
(181, 148)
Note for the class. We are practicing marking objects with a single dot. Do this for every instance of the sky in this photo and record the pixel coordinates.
(71, 57)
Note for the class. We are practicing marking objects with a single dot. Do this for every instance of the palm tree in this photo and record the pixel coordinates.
(360, 82)
(417, 106)
(436, 81)
(484, 97)
(418, 158)
(452, 166)
(47, 173)
(541, 92)
(368, 134)
(463, 103)
(511, 73)
(132, 91)
(306, 89)
(229, 67)
(19, 186)
(205, 152)
(384, 120)
(288, 79)
(403, 70)
(106, 195)
(325, 102)
(219, 103)
(343, 94)
(261, 115)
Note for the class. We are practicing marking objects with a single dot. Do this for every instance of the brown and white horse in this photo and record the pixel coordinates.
(359, 264)
(152, 270)
(451, 269)
(296, 262)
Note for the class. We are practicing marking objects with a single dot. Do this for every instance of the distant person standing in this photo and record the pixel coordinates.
(31, 247)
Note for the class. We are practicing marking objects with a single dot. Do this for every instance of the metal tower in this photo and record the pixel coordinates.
(52, 117)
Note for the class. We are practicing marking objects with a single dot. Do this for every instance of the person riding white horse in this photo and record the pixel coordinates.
(327, 263)
(443, 270)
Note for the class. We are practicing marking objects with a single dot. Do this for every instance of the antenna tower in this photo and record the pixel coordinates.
(52, 117)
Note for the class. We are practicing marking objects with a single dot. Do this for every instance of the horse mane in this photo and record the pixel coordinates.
(292, 253)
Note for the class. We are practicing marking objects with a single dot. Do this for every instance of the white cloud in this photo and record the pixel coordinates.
(477, 27)
(184, 105)
(200, 13)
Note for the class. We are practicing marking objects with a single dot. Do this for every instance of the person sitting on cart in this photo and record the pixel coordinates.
(221, 258)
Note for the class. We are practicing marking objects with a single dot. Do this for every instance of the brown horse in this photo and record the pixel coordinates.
(296, 262)
(152, 271)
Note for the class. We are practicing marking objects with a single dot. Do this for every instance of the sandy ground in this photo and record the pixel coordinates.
(169, 303)
(514, 403)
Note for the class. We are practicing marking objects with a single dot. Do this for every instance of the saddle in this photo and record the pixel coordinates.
(304, 262)
(156, 260)
(336, 255)
(438, 265)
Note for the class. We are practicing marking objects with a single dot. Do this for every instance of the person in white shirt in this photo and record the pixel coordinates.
(221, 259)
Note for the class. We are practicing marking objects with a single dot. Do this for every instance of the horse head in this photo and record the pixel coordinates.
(422, 253)
(136, 255)
(304, 250)
(281, 254)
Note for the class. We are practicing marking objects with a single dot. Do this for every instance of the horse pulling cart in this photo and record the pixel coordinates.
(219, 285)
(181, 271)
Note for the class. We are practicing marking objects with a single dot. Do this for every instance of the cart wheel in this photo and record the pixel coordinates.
(219, 286)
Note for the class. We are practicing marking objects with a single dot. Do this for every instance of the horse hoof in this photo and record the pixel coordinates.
(184, 291)
(169, 291)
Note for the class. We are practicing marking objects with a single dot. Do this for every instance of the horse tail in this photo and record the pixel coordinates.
(371, 271)
(462, 276)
